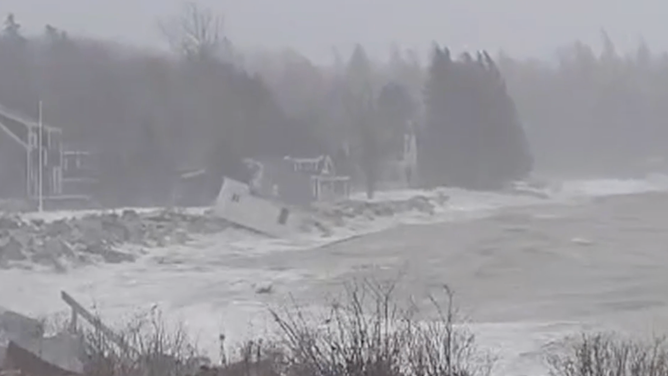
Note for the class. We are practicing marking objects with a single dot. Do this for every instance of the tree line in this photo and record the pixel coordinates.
(591, 112)
(480, 122)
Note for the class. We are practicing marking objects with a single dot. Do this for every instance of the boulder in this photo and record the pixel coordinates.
(12, 250)
(98, 236)
(10, 223)
(59, 228)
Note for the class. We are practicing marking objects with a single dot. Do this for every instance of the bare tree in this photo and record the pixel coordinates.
(196, 33)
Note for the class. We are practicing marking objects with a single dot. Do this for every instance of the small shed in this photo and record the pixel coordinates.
(238, 205)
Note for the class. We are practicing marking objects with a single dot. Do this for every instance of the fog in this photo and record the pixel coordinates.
(520, 27)
(492, 93)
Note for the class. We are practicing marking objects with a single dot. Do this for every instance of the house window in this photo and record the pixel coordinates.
(236, 198)
(283, 216)
(33, 139)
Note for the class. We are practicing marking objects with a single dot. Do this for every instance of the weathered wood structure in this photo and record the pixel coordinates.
(301, 181)
(20, 159)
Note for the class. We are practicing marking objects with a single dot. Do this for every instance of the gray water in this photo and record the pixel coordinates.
(606, 258)
(542, 273)
(523, 278)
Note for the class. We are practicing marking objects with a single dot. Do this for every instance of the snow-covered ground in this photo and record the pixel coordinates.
(212, 283)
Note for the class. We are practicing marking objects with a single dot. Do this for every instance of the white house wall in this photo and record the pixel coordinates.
(236, 204)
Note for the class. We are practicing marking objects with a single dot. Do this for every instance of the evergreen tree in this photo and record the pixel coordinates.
(359, 72)
(472, 137)
(12, 29)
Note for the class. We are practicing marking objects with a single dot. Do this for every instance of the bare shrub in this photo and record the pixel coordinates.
(368, 334)
(609, 355)
(445, 347)
(364, 333)
(146, 347)
(255, 358)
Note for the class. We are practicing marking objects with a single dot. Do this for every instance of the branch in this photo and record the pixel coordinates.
(196, 32)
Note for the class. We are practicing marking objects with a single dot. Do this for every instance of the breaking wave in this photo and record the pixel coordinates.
(212, 284)
(467, 204)
(612, 187)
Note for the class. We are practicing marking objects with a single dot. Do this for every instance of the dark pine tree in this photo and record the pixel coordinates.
(472, 137)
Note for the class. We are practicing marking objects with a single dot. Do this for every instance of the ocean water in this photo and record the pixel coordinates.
(526, 271)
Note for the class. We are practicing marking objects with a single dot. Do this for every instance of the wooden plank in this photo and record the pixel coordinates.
(18, 358)
(67, 197)
(96, 322)
(27, 123)
(13, 136)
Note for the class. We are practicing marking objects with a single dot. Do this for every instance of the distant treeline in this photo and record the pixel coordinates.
(150, 116)
(594, 113)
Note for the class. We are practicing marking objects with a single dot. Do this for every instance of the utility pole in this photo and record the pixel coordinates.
(40, 148)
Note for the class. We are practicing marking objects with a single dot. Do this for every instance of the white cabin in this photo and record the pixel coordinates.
(236, 204)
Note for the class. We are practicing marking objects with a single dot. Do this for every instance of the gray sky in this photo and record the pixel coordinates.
(521, 27)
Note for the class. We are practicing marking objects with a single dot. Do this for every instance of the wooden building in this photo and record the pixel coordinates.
(20, 158)
(67, 176)
(301, 181)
